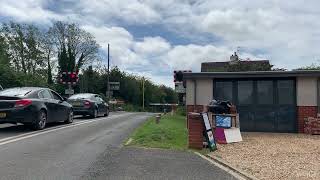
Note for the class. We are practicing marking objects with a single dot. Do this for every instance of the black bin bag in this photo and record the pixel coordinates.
(219, 107)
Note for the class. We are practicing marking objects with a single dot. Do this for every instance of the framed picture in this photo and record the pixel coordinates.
(223, 121)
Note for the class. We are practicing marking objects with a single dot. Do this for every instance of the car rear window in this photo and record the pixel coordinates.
(81, 96)
(17, 92)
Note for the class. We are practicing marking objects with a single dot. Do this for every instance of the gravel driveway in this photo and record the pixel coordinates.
(274, 156)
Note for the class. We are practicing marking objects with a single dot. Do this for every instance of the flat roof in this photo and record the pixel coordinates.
(252, 74)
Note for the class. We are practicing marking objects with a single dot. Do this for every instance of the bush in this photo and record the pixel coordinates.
(181, 110)
(131, 108)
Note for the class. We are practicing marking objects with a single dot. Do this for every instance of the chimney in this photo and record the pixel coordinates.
(234, 57)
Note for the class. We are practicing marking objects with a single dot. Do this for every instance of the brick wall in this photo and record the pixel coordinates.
(304, 112)
(195, 130)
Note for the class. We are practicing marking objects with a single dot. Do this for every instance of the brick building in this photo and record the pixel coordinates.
(267, 101)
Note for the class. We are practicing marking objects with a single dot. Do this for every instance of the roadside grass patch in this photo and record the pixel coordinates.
(170, 133)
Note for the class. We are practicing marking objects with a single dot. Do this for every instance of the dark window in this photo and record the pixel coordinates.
(56, 96)
(45, 94)
(265, 92)
(245, 91)
(286, 92)
(223, 91)
(40, 95)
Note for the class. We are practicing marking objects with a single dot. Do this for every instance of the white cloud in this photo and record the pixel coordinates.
(155, 57)
(27, 11)
(152, 46)
(286, 33)
(130, 11)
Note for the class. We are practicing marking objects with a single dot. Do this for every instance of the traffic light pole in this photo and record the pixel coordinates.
(70, 89)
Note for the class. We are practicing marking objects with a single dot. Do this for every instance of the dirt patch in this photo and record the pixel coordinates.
(274, 156)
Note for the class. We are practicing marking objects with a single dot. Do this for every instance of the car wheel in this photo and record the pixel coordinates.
(40, 121)
(107, 113)
(95, 113)
(70, 117)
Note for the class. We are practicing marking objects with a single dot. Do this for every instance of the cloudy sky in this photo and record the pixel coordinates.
(155, 37)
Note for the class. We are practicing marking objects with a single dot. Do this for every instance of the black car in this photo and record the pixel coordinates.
(89, 104)
(33, 106)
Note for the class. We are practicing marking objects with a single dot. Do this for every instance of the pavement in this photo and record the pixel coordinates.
(93, 149)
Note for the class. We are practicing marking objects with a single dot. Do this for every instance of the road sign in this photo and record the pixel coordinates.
(69, 91)
(114, 86)
(179, 88)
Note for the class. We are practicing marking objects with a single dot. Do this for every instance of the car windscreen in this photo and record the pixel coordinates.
(81, 96)
(17, 92)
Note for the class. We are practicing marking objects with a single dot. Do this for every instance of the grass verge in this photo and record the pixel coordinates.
(170, 133)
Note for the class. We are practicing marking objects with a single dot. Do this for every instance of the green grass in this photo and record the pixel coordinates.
(170, 133)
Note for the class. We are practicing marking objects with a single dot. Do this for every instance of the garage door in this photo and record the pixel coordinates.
(266, 105)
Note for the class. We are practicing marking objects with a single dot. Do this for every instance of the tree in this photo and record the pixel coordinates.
(76, 47)
(4, 56)
(49, 51)
(24, 47)
(8, 77)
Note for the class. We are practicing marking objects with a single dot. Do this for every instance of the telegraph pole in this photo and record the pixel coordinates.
(143, 93)
(108, 85)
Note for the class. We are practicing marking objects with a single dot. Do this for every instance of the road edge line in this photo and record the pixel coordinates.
(227, 168)
(44, 132)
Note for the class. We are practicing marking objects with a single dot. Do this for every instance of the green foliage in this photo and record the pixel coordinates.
(130, 88)
(132, 108)
(181, 110)
(170, 133)
(49, 74)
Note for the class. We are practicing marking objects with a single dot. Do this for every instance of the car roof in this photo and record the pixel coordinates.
(88, 94)
(29, 88)
(21, 91)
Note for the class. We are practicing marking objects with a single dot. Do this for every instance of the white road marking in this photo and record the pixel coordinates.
(49, 130)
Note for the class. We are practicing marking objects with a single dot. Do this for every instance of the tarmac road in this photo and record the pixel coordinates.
(92, 149)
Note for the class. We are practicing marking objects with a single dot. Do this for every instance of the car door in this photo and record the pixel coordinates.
(61, 108)
(104, 105)
(100, 105)
(47, 98)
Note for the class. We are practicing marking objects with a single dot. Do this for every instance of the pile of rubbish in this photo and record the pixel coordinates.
(221, 124)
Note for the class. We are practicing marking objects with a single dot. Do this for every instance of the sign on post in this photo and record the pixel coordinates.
(69, 91)
(114, 86)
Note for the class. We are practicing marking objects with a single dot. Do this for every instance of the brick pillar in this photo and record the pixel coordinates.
(304, 112)
(196, 108)
(195, 130)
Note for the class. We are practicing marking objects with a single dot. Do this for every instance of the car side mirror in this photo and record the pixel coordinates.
(65, 99)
